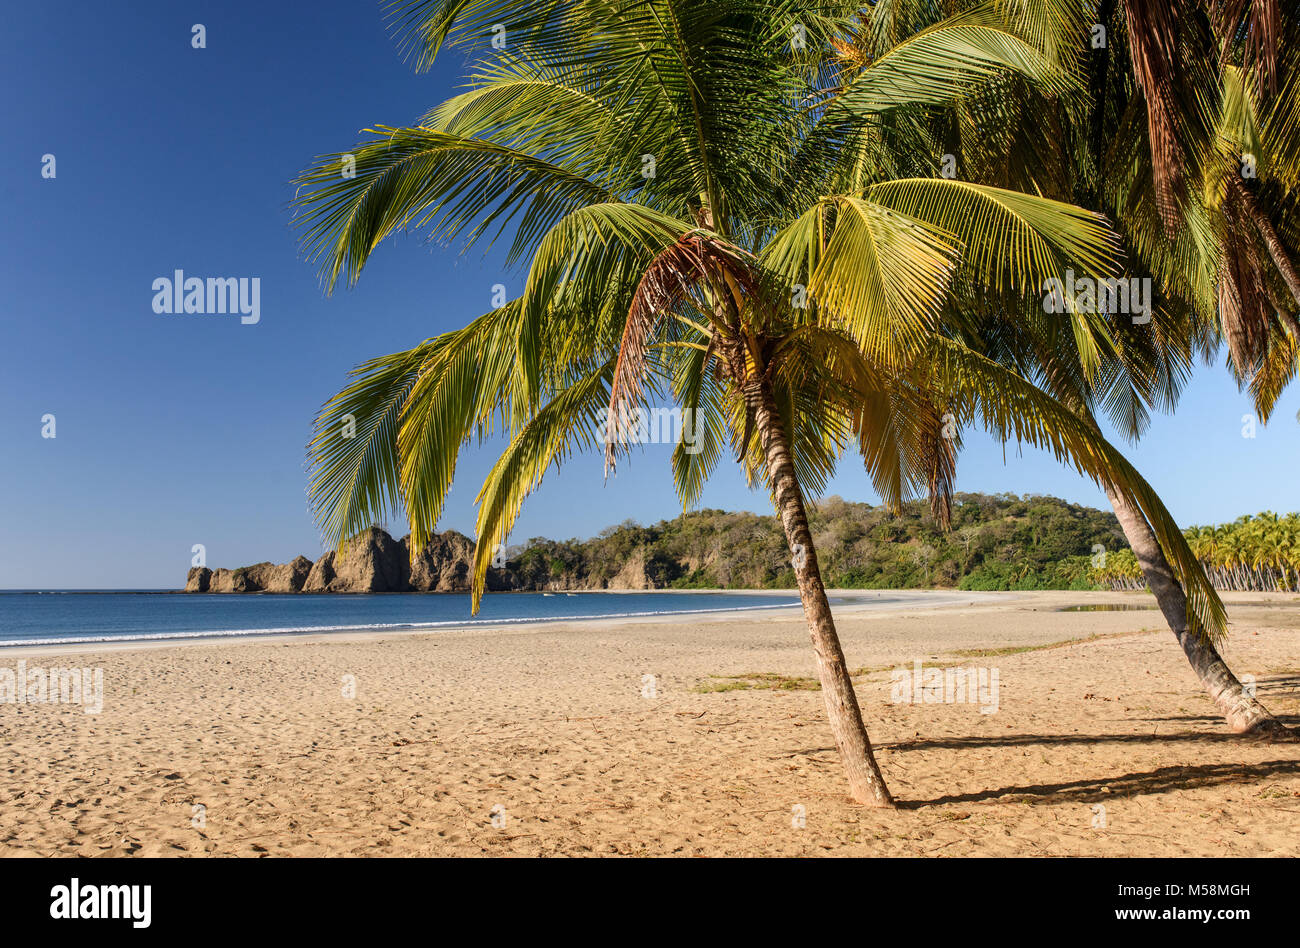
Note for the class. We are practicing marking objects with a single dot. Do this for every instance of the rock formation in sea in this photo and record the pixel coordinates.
(444, 565)
(260, 577)
(372, 562)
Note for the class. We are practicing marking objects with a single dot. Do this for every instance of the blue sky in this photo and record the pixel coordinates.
(173, 431)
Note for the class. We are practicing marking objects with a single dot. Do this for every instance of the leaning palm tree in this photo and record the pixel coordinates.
(1182, 97)
(674, 174)
(1201, 98)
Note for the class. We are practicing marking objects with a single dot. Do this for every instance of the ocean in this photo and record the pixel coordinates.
(71, 617)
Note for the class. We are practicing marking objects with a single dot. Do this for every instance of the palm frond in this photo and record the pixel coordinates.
(571, 421)
(949, 59)
(454, 186)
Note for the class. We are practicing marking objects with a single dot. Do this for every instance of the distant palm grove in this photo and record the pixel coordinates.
(1260, 553)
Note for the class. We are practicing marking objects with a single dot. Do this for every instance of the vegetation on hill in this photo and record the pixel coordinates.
(996, 542)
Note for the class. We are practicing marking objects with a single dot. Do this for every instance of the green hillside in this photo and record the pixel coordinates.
(996, 542)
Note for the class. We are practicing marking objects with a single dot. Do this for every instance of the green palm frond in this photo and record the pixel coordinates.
(475, 386)
(1011, 240)
(584, 252)
(353, 456)
(1012, 408)
(946, 60)
(1282, 131)
(881, 274)
(455, 187)
(1056, 27)
(703, 404)
(571, 421)
(423, 27)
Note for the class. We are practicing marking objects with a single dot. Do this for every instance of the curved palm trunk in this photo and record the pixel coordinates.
(1272, 242)
(1244, 714)
(865, 781)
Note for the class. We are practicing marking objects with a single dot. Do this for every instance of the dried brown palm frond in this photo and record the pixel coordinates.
(1152, 42)
(1263, 27)
(941, 464)
(697, 263)
(1245, 311)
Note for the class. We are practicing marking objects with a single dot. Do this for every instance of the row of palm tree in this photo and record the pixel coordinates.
(1258, 553)
(802, 270)
(1120, 571)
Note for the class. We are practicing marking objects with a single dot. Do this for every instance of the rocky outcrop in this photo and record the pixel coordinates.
(446, 564)
(371, 562)
(260, 577)
(633, 575)
(230, 580)
(278, 578)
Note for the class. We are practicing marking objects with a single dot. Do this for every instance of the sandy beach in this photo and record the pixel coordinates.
(686, 737)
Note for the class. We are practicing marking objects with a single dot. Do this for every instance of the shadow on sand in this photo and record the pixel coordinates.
(1094, 789)
(1160, 780)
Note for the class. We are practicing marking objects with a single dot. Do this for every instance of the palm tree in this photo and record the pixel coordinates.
(1220, 89)
(1229, 68)
(1225, 285)
(710, 215)
(1178, 97)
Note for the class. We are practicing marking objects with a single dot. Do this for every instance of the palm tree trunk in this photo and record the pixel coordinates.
(1272, 242)
(865, 781)
(1244, 714)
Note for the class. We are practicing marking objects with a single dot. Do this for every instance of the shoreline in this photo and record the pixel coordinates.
(851, 602)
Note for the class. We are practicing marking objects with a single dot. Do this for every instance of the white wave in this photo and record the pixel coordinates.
(373, 627)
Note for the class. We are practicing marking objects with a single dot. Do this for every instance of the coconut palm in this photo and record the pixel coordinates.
(1220, 102)
(709, 215)
(1175, 101)
(1201, 170)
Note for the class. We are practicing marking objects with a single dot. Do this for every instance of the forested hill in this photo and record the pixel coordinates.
(996, 542)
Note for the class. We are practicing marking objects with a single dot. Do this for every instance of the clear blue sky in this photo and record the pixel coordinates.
(173, 431)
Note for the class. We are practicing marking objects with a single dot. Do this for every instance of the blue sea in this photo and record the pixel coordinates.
(66, 617)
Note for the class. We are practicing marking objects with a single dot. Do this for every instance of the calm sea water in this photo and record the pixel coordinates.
(31, 618)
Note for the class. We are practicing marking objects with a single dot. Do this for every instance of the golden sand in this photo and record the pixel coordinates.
(553, 740)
